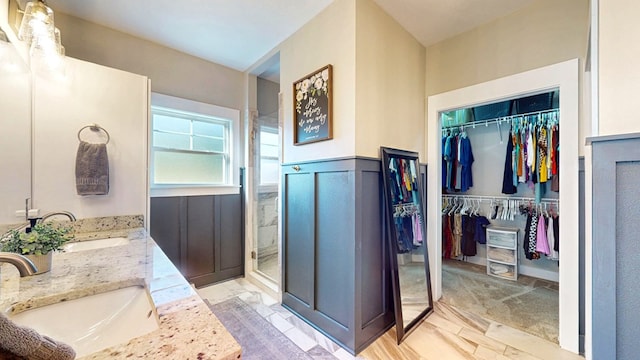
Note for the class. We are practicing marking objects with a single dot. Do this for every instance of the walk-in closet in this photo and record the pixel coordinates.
(500, 211)
(503, 181)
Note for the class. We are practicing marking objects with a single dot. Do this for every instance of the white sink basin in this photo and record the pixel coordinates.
(95, 244)
(95, 322)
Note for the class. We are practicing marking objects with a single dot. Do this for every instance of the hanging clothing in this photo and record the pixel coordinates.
(416, 224)
(396, 191)
(542, 244)
(444, 161)
(458, 184)
(468, 245)
(507, 179)
(447, 237)
(556, 233)
(480, 235)
(451, 156)
(555, 163)
(531, 233)
(457, 235)
(542, 155)
(466, 160)
(554, 255)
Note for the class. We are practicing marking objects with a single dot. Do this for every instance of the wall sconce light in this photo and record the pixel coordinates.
(37, 21)
(38, 30)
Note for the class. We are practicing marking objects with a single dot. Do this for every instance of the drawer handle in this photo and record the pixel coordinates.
(296, 167)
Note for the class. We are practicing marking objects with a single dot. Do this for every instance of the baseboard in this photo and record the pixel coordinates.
(539, 273)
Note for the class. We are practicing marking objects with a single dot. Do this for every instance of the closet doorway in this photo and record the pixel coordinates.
(563, 78)
(490, 217)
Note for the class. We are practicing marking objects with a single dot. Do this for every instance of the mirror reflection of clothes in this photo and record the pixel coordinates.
(409, 232)
(403, 181)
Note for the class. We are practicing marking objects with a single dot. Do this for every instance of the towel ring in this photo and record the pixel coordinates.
(95, 127)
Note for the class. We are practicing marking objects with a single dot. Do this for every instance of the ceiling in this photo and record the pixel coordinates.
(238, 33)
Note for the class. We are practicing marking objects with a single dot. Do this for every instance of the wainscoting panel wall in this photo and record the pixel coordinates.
(300, 227)
(202, 235)
(336, 265)
(615, 247)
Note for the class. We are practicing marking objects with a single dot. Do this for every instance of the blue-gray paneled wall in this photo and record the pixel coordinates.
(615, 225)
(336, 266)
(202, 235)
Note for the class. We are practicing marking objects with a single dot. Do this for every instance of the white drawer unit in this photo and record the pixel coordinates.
(502, 252)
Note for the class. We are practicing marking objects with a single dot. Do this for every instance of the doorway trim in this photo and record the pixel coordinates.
(565, 77)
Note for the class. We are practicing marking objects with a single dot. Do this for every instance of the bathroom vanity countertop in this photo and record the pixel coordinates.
(187, 327)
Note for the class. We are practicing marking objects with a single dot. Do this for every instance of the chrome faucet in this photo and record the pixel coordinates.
(24, 265)
(56, 213)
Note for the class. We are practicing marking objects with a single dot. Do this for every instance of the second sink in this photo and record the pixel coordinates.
(95, 244)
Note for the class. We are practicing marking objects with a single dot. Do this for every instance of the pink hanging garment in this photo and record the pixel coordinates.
(542, 244)
(551, 239)
(417, 230)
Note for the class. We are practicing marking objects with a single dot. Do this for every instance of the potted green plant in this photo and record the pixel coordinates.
(38, 244)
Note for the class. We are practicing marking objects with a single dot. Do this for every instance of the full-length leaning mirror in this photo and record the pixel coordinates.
(407, 238)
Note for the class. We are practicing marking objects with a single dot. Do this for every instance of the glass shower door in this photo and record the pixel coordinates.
(266, 183)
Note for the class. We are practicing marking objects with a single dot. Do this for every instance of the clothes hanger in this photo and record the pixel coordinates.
(453, 208)
(490, 211)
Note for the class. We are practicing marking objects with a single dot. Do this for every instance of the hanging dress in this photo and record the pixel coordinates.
(542, 244)
(466, 160)
(555, 163)
(416, 222)
(552, 239)
(444, 162)
(531, 231)
(457, 235)
(507, 179)
(447, 236)
(468, 245)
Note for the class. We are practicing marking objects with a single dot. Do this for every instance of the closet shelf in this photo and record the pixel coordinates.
(499, 198)
(499, 120)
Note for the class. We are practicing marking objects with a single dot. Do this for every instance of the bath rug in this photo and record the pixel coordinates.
(259, 339)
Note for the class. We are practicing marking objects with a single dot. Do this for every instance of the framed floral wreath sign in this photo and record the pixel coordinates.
(312, 107)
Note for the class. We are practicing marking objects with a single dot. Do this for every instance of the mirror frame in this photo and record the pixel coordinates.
(401, 330)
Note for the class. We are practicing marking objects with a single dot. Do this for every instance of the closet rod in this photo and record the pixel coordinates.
(496, 198)
(499, 119)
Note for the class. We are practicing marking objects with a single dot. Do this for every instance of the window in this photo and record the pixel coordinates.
(192, 146)
(269, 164)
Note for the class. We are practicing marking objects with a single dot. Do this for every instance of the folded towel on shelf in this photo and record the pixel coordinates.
(498, 269)
(23, 342)
(92, 169)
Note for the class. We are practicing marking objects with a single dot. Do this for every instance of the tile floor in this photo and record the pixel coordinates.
(447, 334)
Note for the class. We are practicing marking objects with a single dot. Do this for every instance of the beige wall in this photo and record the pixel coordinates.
(544, 33)
(619, 73)
(390, 90)
(378, 72)
(171, 72)
(329, 38)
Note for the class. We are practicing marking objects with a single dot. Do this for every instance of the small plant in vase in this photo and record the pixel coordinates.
(38, 244)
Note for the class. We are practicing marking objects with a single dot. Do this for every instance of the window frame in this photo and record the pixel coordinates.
(203, 111)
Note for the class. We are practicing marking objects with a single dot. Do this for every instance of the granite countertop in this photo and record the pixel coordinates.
(187, 327)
